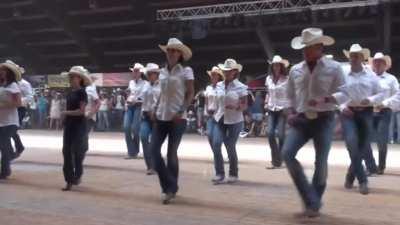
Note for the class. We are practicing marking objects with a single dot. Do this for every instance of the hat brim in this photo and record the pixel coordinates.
(238, 67)
(284, 62)
(16, 72)
(365, 52)
(297, 42)
(386, 58)
(152, 71)
(86, 79)
(210, 72)
(186, 51)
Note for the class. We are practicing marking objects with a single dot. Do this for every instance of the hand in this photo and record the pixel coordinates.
(365, 102)
(347, 112)
(313, 102)
(330, 99)
(177, 117)
(292, 117)
(210, 112)
(152, 116)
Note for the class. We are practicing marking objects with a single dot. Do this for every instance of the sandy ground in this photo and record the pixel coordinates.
(117, 192)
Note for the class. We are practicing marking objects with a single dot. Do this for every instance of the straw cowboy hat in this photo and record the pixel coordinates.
(311, 36)
(137, 66)
(216, 70)
(279, 59)
(356, 48)
(381, 56)
(82, 72)
(230, 64)
(151, 67)
(174, 43)
(16, 69)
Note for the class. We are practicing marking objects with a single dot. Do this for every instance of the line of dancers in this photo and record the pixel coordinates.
(307, 97)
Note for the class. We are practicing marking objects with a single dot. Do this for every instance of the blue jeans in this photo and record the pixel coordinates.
(320, 130)
(103, 122)
(42, 118)
(210, 129)
(227, 134)
(132, 127)
(357, 131)
(6, 148)
(383, 121)
(276, 129)
(145, 135)
(167, 174)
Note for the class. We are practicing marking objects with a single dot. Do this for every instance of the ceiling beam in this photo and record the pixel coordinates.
(57, 12)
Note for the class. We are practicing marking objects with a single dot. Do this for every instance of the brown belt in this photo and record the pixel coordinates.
(360, 109)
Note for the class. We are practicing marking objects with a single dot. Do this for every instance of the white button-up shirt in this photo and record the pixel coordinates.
(211, 94)
(230, 95)
(359, 86)
(150, 96)
(304, 86)
(136, 89)
(390, 82)
(8, 116)
(93, 96)
(173, 91)
(277, 98)
(26, 92)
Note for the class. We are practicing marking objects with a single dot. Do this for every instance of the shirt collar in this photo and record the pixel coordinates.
(174, 69)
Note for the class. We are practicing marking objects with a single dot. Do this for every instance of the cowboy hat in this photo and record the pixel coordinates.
(230, 64)
(381, 56)
(329, 56)
(279, 59)
(356, 48)
(82, 72)
(151, 67)
(311, 36)
(16, 69)
(174, 43)
(137, 66)
(216, 70)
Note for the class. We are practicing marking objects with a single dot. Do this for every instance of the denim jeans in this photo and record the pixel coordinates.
(132, 127)
(19, 147)
(146, 128)
(357, 131)
(103, 122)
(394, 128)
(320, 130)
(42, 118)
(6, 148)
(167, 174)
(276, 129)
(210, 129)
(383, 121)
(227, 134)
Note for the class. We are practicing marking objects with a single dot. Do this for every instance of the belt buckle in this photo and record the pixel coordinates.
(311, 115)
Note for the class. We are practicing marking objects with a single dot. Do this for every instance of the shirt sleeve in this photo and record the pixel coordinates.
(290, 89)
(83, 97)
(339, 80)
(13, 88)
(188, 73)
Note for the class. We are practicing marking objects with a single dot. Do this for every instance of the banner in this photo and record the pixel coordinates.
(116, 79)
(36, 80)
(58, 81)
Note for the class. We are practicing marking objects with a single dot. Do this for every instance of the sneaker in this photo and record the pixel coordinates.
(77, 181)
(218, 179)
(167, 197)
(150, 172)
(348, 184)
(232, 179)
(380, 171)
(311, 213)
(363, 188)
(131, 157)
(67, 187)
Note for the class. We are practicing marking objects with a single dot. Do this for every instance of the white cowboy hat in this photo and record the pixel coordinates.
(279, 59)
(82, 72)
(16, 69)
(151, 67)
(311, 36)
(329, 56)
(216, 70)
(174, 43)
(356, 48)
(137, 66)
(386, 58)
(230, 64)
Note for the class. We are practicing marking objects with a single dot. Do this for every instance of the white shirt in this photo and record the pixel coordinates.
(359, 86)
(92, 95)
(230, 95)
(119, 104)
(304, 86)
(277, 94)
(8, 116)
(103, 105)
(26, 92)
(136, 89)
(150, 96)
(389, 82)
(211, 95)
(173, 90)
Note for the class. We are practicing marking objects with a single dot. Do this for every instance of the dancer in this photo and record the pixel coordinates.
(229, 121)
(133, 114)
(314, 78)
(276, 102)
(150, 98)
(75, 136)
(10, 101)
(177, 91)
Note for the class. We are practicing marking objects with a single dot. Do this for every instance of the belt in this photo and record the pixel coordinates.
(360, 109)
(311, 115)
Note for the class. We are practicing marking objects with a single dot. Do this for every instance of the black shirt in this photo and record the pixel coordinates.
(74, 100)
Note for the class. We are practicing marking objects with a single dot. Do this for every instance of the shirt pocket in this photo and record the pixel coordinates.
(323, 84)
